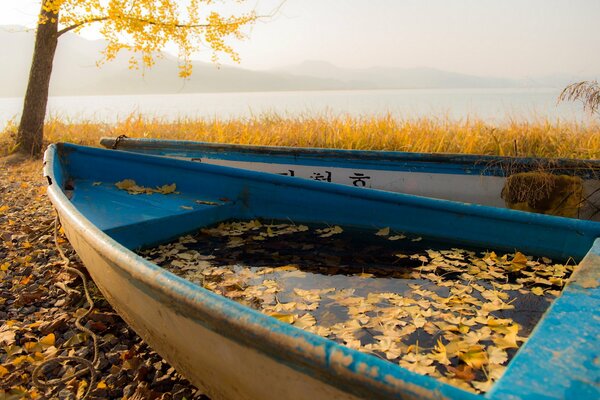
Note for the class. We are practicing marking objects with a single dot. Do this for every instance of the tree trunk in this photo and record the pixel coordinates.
(31, 128)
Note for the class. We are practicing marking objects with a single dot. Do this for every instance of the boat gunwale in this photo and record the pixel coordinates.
(481, 160)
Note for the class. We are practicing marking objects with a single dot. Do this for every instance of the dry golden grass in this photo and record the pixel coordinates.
(474, 136)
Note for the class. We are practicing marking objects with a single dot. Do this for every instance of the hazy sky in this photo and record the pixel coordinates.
(509, 38)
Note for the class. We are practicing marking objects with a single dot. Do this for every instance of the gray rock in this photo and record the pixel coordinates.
(128, 390)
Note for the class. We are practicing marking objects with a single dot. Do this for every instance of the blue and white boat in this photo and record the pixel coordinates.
(233, 352)
(458, 177)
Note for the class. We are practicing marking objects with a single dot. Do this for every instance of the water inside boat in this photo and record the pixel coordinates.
(454, 313)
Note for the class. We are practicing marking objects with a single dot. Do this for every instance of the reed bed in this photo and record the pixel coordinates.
(541, 138)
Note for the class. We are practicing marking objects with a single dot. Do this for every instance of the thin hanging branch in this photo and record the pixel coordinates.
(588, 92)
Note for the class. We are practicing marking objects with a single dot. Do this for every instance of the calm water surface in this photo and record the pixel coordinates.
(494, 105)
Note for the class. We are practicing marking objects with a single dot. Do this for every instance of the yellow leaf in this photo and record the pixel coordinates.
(440, 355)
(126, 184)
(81, 388)
(518, 262)
(538, 291)
(496, 355)
(305, 321)
(101, 385)
(508, 341)
(3, 209)
(3, 371)
(31, 347)
(48, 340)
(383, 232)
(483, 386)
(287, 268)
(328, 232)
(21, 359)
(287, 318)
(474, 357)
(166, 189)
(396, 237)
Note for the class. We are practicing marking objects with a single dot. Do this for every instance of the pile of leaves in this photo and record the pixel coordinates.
(133, 188)
(39, 302)
(456, 314)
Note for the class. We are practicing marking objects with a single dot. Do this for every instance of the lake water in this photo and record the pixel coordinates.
(494, 105)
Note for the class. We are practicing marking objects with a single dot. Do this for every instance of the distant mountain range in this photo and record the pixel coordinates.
(75, 73)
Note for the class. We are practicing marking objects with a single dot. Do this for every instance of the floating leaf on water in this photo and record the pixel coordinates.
(287, 318)
(418, 363)
(365, 275)
(286, 268)
(319, 330)
(383, 232)
(538, 291)
(483, 386)
(496, 355)
(463, 372)
(186, 207)
(518, 262)
(308, 295)
(305, 321)
(328, 232)
(439, 354)
(509, 340)
(474, 357)
(396, 237)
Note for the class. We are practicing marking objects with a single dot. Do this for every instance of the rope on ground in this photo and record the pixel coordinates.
(89, 367)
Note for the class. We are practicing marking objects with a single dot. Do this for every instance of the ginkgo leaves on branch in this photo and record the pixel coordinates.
(146, 27)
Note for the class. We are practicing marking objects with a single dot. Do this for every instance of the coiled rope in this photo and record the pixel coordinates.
(89, 367)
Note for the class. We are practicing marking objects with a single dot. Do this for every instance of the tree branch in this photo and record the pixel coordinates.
(150, 22)
(77, 25)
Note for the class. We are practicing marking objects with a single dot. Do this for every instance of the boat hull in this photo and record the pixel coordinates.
(220, 367)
